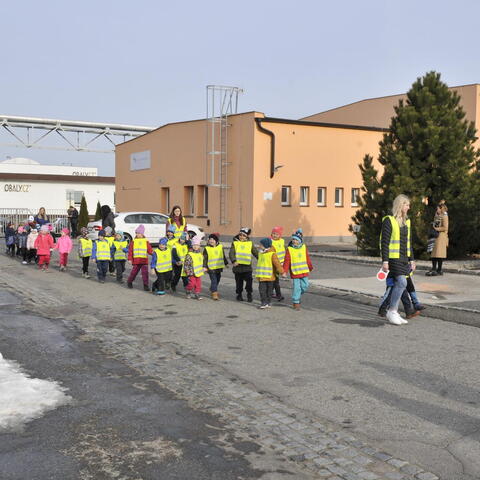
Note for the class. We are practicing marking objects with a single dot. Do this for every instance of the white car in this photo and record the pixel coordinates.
(155, 225)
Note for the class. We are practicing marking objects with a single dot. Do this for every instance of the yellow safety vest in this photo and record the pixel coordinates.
(103, 250)
(298, 260)
(87, 246)
(172, 242)
(110, 240)
(215, 257)
(197, 263)
(119, 254)
(164, 260)
(279, 246)
(182, 250)
(140, 248)
(394, 245)
(178, 230)
(264, 265)
(243, 252)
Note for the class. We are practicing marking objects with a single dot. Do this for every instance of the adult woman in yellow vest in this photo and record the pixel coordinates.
(397, 253)
(241, 252)
(268, 266)
(179, 252)
(161, 266)
(214, 261)
(119, 253)
(278, 244)
(85, 247)
(193, 268)
(177, 220)
(138, 252)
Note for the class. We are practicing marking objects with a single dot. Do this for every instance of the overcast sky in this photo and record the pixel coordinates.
(147, 62)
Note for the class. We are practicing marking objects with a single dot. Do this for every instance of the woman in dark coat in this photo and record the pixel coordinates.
(397, 253)
(107, 217)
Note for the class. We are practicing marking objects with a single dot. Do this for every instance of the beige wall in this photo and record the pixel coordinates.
(315, 157)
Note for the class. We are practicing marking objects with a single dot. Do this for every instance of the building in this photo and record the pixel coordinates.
(275, 171)
(26, 184)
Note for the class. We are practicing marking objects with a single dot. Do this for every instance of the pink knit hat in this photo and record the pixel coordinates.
(65, 230)
(195, 240)
(278, 230)
(140, 229)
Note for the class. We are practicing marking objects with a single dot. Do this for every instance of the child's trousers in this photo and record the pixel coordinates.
(119, 269)
(85, 263)
(162, 282)
(265, 289)
(300, 286)
(43, 260)
(194, 284)
(135, 269)
(215, 276)
(102, 268)
(63, 259)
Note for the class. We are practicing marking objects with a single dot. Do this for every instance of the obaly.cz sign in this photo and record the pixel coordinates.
(17, 187)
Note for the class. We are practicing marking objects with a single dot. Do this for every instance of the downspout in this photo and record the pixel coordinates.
(272, 145)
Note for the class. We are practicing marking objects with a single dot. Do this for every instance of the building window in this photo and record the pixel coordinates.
(189, 200)
(286, 195)
(321, 196)
(304, 196)
(74, 197)
(339, 197)
(202, 200)
(165, 200)
(355, 195)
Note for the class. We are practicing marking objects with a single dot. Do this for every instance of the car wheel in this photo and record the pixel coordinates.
(127, 237)
(192, 234)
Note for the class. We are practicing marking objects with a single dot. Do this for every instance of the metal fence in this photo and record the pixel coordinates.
(19, 216)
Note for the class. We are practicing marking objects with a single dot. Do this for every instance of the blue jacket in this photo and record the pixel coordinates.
(94, 249)
(9, 236)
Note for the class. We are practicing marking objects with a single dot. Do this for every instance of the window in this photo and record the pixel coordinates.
(339, 197)
(285, 200)
(165, 199)
(202, 200)
(74, 197)
(355, 195)
(321, 196)
(140, 160)
(304, 196)
(133, 219)
(159, 219)
(189, 200)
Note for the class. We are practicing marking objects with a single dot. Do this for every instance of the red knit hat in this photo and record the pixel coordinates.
(278, 230)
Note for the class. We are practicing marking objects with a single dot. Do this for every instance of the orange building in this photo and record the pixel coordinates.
(273, 172)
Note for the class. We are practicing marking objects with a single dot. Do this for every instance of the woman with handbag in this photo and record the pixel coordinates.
(438, 240)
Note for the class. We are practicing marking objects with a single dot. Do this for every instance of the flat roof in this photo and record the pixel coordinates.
(56, 178)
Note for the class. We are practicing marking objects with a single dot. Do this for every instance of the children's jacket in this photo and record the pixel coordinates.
(64, 244)
(138, 260)
(9, 236)
(276, 266)
(32, 236)
(44, 243)
(287, 264)
(22, 240)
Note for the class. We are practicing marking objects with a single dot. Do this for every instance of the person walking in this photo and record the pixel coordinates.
(108, 219)
(438, 241)
(72, 213)
(177, 221)
(42, 218)
(397, 253)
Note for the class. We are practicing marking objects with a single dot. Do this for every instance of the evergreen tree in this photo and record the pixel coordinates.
(429, 155)
(83, 214)
(98, 212)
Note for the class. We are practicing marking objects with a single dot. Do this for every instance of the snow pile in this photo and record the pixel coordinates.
(22, 398)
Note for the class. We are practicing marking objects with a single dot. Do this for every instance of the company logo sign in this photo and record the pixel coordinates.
(16, 187)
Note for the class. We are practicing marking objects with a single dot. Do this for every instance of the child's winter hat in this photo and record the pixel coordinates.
(31, 218)
(298, 235)
(171, 228)
(278, 230)
(215, 236)
(84, 231)
(195, 240)
(140, 229)
(266, 242)
(101, 233)
(245, 230)
(44, 228)
(163, 241)
(65, 230)
(108, 230)
(119, 232)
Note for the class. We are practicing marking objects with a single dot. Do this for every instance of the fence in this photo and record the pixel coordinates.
(19, 216)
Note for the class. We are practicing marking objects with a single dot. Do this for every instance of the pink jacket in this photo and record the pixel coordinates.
(64, 244)
(31, 240)
(44, 243)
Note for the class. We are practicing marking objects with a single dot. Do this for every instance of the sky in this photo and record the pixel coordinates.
(148, 62)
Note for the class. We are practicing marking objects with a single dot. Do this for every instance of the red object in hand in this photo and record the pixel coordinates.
(381, 275)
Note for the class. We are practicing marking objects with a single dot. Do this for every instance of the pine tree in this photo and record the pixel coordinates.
(429, 155)
(83, 215)
(98, 212)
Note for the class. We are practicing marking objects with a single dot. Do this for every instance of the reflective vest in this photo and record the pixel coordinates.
(264, 265)
(182, 250)
(87, 245)
(178, 230)
(103, 250)
(140, 248)
(243, 252)
(110, 240)
(172, 242)
(119, 254)
(394, 245)
(279, 246)
(197, 263)
(164, 260)
(215, 257)
(298, 260)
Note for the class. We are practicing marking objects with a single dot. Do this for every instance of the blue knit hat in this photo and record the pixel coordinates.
(266, 242)
(298, 235)
(171, 228)
(163, 241)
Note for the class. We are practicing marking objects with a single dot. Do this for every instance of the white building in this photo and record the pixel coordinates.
(27, 184)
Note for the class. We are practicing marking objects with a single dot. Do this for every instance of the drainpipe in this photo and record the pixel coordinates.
(272, 145)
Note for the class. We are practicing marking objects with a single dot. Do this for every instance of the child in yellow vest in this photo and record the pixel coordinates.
(161, 266)
(101, 256)
(193, 268)
(138, 251)
(85, 246)
(214, 261)
(171, 238)
(119, 250)
(278, 244)
(268, 266)
(179, 252)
